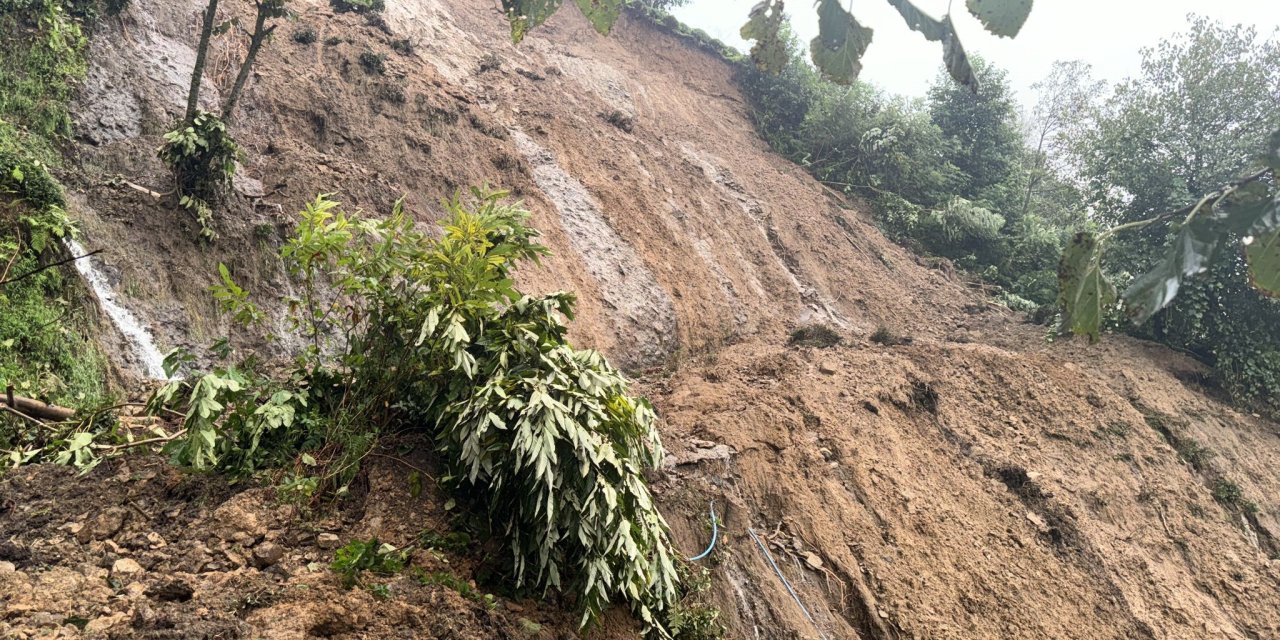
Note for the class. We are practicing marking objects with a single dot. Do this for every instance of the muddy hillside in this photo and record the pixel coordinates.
(958, 477)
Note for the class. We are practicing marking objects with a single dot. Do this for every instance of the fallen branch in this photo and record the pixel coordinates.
(37, 409)
(48, 266)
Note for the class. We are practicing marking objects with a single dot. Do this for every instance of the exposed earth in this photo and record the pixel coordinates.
(964, 478)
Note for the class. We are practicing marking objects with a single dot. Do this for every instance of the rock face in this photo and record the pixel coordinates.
(890, 485)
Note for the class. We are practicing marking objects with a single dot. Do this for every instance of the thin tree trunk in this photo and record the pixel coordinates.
(255, 43)
(197, 72)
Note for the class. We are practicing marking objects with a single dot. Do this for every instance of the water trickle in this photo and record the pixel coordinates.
(138, 336)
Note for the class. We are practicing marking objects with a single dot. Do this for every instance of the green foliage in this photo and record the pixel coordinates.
(946, 176)
(44, 349)
(692, 618)
(375, 63)
(451, 581)
(837, 49)
(358, 6)
(1228, 492)
(1001, 17)
(353, 560)
(1201, 114)
(1084, 293)
(541, 443)
(814, 335)
(41, 58)
(202, 156)
(234, 419)
(304, 35)
(763, 25)
(527, 14)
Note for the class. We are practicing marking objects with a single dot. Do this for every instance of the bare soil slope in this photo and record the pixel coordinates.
(976, 482)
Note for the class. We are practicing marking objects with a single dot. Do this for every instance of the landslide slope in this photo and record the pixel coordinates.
(975, 481)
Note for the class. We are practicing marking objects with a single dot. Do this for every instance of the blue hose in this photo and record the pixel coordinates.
(715, 534)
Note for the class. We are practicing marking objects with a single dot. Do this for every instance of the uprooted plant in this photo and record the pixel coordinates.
(540, 442)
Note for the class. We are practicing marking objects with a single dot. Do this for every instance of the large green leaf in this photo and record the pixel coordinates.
(527, 14)
(943, 31)
(1084, 294)
(764, 25)
(841, 41)
(602, 14)
(1001, 17)
(1188, 255)
(1264, 263)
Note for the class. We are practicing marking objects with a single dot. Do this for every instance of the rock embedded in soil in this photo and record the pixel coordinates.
(125, 567)
(102, 526)
(327, 541)
(267, 554)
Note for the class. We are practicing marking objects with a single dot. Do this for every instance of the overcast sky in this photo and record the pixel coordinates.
(1105, 33)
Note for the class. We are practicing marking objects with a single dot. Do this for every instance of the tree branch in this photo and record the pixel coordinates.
(47, 267)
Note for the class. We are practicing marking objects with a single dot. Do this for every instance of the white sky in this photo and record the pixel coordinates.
(1105, 33)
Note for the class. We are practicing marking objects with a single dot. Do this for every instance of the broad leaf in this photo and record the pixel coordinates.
(943, 31)
(928, 26)
(527, 14)
(1188, 255)
(1001, 17)
(764, 25)
(954, 57)
(1084, 294)
(841, 41)
(1264, 263)
(601, 13)
(1252, 210)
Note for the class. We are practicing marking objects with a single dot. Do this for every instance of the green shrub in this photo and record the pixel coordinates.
(541, 442)
(351, 561)
(375, 63)
(202, 156)
(402, 46)
(814, 335)
(358, 6)
(304, 35)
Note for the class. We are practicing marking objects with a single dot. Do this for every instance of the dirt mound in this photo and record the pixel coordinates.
(136, 549)
(974, 481)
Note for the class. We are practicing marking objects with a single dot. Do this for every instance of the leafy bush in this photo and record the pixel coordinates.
(202, 156)
(373, 62)
(304, 35)
(814, 335)
(540, 440)
(359, 556)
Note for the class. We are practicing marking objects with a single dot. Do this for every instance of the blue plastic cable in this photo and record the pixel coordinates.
(715, 533)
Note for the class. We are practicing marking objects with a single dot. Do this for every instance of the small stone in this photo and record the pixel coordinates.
(156, 541)
(99, 625)
(135, 589)
(102, 526)
(828, 367)
(7, 567)
(327, 541)
(1040, 524)
(267, 554)
(125, 567)
(234, 558)
(813, 561)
